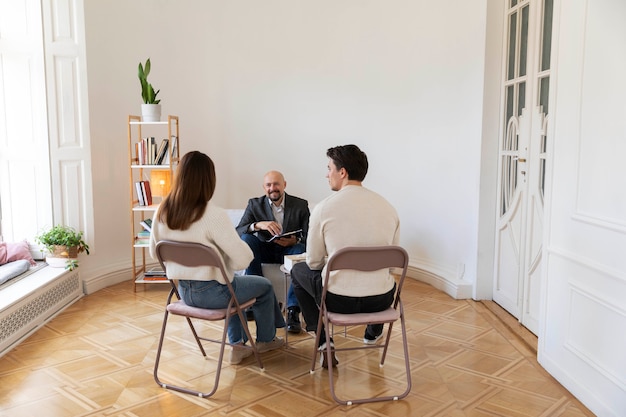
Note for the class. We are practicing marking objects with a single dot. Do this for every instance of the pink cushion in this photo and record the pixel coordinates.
(181, 309)
(10, 252)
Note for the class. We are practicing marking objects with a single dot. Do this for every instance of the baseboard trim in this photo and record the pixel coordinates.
(455, 288)
(106, 280)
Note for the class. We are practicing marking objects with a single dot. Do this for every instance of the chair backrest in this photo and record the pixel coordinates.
(369, 258)
(189, 254)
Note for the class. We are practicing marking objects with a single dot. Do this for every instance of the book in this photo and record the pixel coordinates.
(290, 260)
(143, 151)
(151, 150)
(154, 278)
(147, 193)
(157, 271)
(139, 191)
(147, 224)
(160, 158)
(286, 234)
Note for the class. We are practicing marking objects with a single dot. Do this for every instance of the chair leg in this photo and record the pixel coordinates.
(182, 389)
(178, 388)
(218, 370)
(387, 339)
(407, 361)
(329, 359)
(317, 342)
(407, 365)
(158, 354)
(195, 335)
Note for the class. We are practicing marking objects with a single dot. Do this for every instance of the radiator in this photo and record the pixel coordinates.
(33, 301)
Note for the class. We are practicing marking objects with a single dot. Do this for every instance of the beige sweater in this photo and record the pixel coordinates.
(352, 216)
(214, 229)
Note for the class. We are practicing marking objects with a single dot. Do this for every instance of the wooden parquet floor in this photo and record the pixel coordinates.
(96, 359)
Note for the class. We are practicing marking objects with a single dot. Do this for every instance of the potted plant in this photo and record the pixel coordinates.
(63, 244)
(150, 109)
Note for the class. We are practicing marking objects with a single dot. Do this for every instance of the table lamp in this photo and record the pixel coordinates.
(160, 182)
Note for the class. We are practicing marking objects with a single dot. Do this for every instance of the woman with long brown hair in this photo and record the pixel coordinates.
(188, 215)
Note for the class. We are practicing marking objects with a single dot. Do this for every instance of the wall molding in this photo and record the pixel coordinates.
(454, 287)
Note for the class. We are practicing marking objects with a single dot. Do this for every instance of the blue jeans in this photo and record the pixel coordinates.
(212, 294)
(271, 253)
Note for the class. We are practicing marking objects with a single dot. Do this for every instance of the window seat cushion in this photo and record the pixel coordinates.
(13, 269)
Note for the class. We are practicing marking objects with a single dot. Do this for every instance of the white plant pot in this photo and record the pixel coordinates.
(151, 112)
(60, 255)
(57, 262)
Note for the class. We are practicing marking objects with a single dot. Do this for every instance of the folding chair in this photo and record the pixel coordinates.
(194, 255)
(365, 259)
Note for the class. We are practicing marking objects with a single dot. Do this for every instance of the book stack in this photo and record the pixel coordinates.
(143, 238)
(155, 274)
(144, 193)
(148, 153)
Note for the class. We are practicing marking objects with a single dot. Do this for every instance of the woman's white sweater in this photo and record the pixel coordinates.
(213, 229)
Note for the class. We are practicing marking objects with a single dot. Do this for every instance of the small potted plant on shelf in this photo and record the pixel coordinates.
(150, 109)
(63, 244)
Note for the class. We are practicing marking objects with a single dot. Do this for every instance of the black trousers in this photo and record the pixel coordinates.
(307, 285)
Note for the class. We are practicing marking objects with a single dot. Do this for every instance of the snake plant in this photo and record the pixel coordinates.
(147, 91)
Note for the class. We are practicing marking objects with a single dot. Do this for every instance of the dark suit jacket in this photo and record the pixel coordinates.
(258, 210)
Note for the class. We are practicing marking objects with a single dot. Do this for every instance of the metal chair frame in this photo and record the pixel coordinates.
(371, 258)
(194, 255)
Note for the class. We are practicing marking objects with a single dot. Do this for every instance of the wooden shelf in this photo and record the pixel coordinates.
(139, 123)
(151, 207)
(142, 280)
(150, 166)
(140, 172)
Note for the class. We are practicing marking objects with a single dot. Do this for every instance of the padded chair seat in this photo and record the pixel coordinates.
(386, 316)
(179, 308)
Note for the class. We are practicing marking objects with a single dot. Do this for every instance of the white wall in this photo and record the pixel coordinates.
(273, 84)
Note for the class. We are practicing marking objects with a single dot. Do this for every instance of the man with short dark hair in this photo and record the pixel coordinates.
(352, 216)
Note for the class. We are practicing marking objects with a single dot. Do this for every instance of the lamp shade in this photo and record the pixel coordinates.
(160, 182)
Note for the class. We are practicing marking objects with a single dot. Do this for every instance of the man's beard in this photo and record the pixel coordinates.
(275, 196)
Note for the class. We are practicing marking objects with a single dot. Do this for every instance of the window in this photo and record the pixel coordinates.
(45, 162)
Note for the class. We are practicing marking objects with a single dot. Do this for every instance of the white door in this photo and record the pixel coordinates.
(582, 337)
(522, 159)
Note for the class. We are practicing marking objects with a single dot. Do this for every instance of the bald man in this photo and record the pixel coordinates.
(272, 214)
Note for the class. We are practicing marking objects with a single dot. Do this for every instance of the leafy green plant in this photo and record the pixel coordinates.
(147, 91)
(71, 264)
(66, 236)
